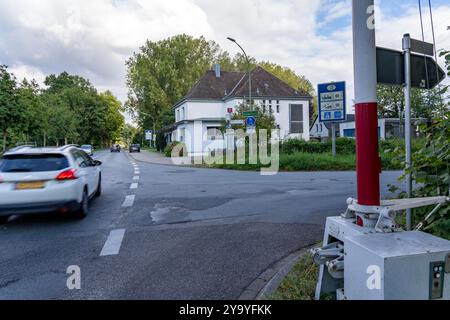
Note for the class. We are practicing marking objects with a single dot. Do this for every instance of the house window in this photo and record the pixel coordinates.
(177, 116)
(296, 118)
(278, 106)
(182, 114)
(264, 108)
(213, 133)
(270, 109)
(182, 133)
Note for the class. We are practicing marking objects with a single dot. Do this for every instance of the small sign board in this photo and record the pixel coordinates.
(391, 69)
(332, 102)
(148, 135)
(251, 122)
(250, 113)
(422, 47)
(237, 122)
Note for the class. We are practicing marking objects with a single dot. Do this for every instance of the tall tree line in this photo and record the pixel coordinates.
(68, 110)
(162, 72)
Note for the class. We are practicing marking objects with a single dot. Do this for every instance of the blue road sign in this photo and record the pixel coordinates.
(251, 121)
(332, 102)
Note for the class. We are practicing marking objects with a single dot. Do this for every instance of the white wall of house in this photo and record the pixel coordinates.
(319, 130)
(194, 132)
(352, 126)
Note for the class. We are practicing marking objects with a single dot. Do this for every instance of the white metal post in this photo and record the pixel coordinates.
(407, 91)
(333, 139)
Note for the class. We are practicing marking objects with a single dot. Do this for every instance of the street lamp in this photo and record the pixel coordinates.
(249, 71)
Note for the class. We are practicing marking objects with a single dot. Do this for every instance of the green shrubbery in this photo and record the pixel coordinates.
(343, 146)
(169, 148)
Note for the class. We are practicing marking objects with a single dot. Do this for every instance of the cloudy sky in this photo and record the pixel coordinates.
(93, 38)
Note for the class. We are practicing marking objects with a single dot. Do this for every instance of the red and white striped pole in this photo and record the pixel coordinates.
(365, 74)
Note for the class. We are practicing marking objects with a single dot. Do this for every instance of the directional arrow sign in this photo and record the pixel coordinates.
(250, 113)
(391, 69)
(237, 122)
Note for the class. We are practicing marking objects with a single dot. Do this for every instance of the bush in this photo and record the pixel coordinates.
(343, 146)
(168, 150)
(317, 162)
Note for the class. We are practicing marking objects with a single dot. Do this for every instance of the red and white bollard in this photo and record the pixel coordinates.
(365, 77)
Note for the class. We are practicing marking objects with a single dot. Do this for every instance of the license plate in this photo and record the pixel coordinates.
(30, 185)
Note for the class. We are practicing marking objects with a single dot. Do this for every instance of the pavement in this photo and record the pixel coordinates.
(167, 232)
(151, 157)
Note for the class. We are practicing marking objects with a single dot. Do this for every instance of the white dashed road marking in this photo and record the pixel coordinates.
(113, 243)
(129, 200)
(136, 178)
(134, 186)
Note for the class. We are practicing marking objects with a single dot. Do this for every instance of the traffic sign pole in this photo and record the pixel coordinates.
(333, 139)
(407, 91)
(365, 78)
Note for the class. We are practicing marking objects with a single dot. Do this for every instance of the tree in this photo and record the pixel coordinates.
(162, 72)
(296, 81)
(35, 118)
(114, 119)
(264, 119)
(431, 164)
(10, 112)
(90, 117)
(391, 102)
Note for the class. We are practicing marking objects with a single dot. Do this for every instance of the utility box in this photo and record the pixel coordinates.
(396, 266)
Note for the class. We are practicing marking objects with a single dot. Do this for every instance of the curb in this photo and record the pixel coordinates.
(269, 281)
(151, 162)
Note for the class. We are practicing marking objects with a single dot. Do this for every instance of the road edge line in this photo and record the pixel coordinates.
(270, 279)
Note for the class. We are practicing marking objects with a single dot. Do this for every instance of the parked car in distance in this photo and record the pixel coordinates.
(135, 148)
(88, 149)
(38, 180)
(115, 148)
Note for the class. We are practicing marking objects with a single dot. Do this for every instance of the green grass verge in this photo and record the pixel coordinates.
(317, 162)
(310, 162)
(300, 283)
(301, 162)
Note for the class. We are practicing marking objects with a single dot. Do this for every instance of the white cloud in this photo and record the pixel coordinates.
(94, 38)
(90, 38)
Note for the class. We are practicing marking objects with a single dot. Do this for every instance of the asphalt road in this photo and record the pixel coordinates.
(179, 233)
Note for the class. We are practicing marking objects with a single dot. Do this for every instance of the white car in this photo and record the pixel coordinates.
(37, 180)
(89, 149)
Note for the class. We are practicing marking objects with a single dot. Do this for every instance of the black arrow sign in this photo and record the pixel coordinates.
(391, 69)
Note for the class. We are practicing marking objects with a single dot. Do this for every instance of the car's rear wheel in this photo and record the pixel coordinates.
(98, 193)
(83, 210)
(4, 219)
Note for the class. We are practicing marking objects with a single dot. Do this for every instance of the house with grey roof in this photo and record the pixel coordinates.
(219, 93)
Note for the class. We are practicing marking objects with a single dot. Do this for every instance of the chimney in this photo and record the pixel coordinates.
(217, 70)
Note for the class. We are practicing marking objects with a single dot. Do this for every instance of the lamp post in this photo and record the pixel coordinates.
(249, 72)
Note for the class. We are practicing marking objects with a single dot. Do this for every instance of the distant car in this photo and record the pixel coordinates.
(135, 148)
(38, 180)
(88, 149)
(115, 148)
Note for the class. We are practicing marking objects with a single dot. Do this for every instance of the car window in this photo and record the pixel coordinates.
(81, 158)
(33, 163)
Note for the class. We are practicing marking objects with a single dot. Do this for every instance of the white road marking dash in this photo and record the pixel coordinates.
(113, 243)
(134, 186)
(136, 178)
(129, 201)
